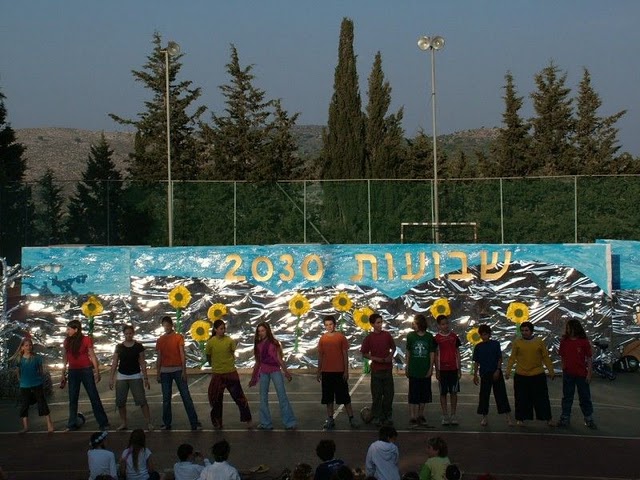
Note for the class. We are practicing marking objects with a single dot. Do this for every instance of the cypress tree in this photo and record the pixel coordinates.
(384, 134)
(95, 210)
(510, 151)
(595, 136)
(552, 151)
(343, 153)
(149, 160)
(15, 199)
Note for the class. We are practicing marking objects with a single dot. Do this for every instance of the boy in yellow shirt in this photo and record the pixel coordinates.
(529, 354)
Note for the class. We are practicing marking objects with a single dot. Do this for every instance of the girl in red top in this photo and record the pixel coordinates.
(576, 355)
(83, 368)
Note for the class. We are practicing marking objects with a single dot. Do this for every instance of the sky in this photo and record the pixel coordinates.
(68, 63)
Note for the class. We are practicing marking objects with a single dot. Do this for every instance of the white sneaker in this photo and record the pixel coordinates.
(445, 420)
(453, 420)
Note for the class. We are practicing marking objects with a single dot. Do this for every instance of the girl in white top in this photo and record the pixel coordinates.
(101, 460)
(137, 458)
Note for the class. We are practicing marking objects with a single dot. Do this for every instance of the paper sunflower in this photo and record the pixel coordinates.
(216, 311)
(361, 317)
(92, 307)
(473, 336)
(200, 330)
(342, 302)
(440, 307)
(518, 312)
(179, 297)
(299, 305)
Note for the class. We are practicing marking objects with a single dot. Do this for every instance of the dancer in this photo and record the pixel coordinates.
(333, 372)
(448, 370)
(29, 369)
(529, 354)
(220, 352)
(488, 357)
(576, 354)
(172, 367)
(135, 460)
(131, 366)
(269, 363)
(379, 348)
(420, 358)
(83, 369)
(101, 461)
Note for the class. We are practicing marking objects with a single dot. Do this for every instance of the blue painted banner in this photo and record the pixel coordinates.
(625, 256)
(392, 268)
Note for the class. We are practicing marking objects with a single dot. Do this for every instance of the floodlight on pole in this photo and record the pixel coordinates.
(433, 44)
(172, 50)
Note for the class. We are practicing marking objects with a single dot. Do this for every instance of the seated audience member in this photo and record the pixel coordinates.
(326, 450)
(101, 461)
(189, 466)
(383, 455)
(220, 469)
(343, 473)
(302, 471)
(136, 458)
(436, 465)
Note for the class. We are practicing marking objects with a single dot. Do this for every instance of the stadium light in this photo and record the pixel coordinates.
(433, 44)
(172, 50)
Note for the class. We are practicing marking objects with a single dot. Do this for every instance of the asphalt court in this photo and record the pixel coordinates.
(534, 451)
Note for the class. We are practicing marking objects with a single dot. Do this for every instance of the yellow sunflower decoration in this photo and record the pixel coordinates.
(342, 302)
(518, 312)
(473, 336)
(361, 317)
(440, 307)
(90, 309)
(216, 311)
(298, 306)
(200, 330)
(179, 297)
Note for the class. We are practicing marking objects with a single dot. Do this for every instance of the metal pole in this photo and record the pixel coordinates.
(169, 182)
(436, 216)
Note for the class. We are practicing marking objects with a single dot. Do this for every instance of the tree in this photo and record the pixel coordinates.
(49, 212)
(95, 211)
(552, 151)
(510, 150)
(15, 199)
(419, 159)
(343, 153)
(252, 140)
(595, 136)
(149, 160)
(384, 134)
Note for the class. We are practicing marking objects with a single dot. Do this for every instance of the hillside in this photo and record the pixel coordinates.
(65, 150)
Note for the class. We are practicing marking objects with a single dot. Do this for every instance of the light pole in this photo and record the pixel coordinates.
(433, 44)
(172, 50)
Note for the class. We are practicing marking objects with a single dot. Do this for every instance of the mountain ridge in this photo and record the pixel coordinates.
(65, 150)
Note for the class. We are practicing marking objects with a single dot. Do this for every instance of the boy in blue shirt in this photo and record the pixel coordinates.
(487, 355)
